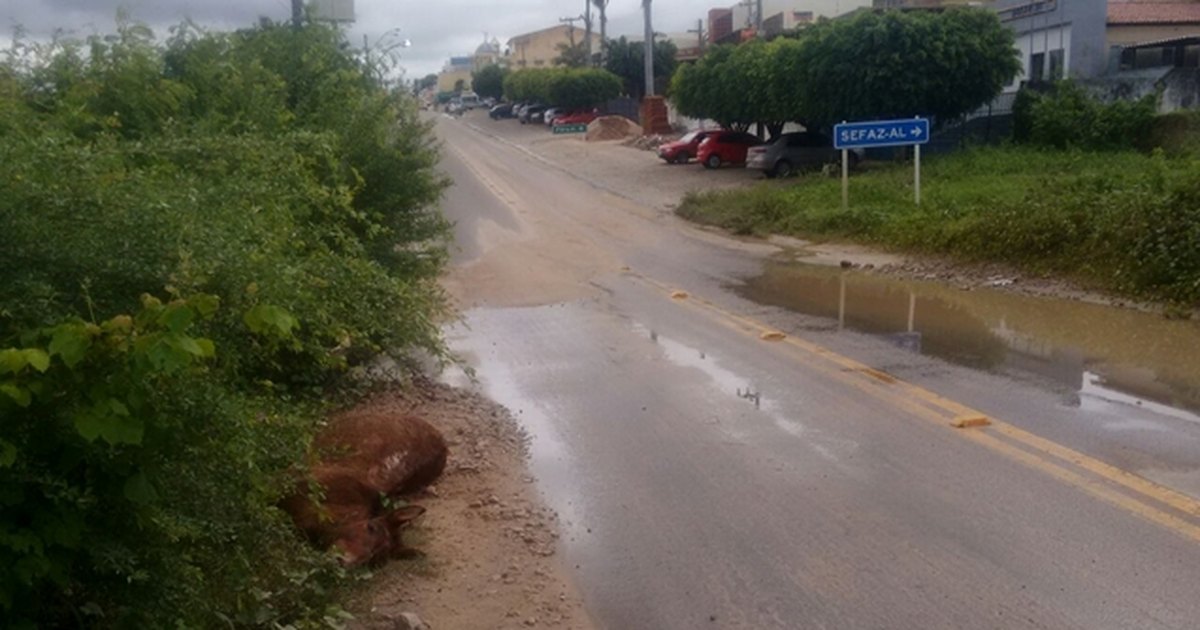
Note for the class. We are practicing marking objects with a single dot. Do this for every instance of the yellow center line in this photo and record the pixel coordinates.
(1034, 451)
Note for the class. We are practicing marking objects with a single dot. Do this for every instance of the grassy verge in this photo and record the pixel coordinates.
(1123, 221)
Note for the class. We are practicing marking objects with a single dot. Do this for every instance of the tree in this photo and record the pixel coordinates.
(627, 60)
(582, 88)
(489, 81)
(459, 86)
(573, 88)
(426, 82)
(895, 64)
(900, 64)
(571, 55)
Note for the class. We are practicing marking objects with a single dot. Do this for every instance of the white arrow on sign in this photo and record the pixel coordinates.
(916, 131)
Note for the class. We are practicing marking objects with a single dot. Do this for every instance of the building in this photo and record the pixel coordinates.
(738, 23)
(1131, 23)
(1057, 39)
(464, 68)
(455, 70)
(539, 49)
(926, 4)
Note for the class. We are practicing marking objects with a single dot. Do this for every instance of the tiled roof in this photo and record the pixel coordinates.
(1153, 13)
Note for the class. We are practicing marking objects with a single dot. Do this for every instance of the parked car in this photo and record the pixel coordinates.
(794, 152)
(578, 118)
(503, 110)
(532, 114)
(683, 149)
(469, 100)
(725, 147)
(550, 114)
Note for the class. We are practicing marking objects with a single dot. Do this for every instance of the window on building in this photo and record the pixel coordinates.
(1037, 67)
(1191, 56)
(1057, 64)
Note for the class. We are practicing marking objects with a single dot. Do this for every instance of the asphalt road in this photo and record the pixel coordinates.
(711, 474)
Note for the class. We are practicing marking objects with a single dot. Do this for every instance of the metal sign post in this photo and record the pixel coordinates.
(845, 179)
(881, 133)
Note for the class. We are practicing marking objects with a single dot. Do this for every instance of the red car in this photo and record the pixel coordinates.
(725, 147)
(577, 118)
(683, 149)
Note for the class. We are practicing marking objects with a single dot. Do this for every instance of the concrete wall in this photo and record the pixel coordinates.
(1078, 27)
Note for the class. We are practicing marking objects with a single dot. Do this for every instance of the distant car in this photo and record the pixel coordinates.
(725, 147)
(794, 152)
(550, 114)
(683, 149)
(532, 114)
(503, 110)
(578, 118)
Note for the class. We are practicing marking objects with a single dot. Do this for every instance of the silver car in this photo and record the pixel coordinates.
(794, 152)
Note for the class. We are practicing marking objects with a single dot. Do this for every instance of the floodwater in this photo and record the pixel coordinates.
(1099, 355)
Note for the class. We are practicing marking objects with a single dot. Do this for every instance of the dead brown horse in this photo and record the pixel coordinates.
(365, 460)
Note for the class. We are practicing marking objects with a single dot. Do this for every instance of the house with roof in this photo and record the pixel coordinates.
(1132, 22)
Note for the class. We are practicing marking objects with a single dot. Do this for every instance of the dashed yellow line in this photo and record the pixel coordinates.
(1056, 460)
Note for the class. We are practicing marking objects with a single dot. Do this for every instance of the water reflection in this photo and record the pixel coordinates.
(1081, 347)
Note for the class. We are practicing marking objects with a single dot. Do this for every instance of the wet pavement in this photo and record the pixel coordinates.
(706, 477)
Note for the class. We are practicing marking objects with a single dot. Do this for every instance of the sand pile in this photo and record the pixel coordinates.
(612, 128)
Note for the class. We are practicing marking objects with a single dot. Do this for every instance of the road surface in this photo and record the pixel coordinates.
(718, 463)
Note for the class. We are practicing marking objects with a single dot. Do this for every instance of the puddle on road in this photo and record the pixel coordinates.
(1105, 357)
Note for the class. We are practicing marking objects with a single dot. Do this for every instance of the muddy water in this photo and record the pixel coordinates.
(1098, 354)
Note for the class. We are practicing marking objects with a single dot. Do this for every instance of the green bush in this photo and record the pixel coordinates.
(1068, 117)
(282, 203)
(1123, 221)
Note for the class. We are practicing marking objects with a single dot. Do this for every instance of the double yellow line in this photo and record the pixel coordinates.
(1173, 510)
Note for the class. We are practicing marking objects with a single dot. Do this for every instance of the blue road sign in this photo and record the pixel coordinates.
(881, 133)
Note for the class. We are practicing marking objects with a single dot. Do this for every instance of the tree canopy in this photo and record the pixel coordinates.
(573, 88)
(489, 81)
(627, 60)
(875, 65)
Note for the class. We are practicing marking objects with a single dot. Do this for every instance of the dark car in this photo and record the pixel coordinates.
(725, 147)
(532, 114)
(503, 110)
(683, 149)
(794, 152)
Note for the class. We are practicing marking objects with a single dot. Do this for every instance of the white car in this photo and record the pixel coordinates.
(551, 114)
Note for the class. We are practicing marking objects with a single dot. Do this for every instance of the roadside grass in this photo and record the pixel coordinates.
(1120, 221)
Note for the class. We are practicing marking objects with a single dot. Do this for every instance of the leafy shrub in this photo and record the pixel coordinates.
(1068, 117)
(282, 200)
(1123, 221)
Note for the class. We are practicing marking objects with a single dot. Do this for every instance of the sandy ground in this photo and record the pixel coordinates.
(489, 543)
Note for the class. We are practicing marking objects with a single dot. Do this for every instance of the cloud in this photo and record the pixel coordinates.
(437, 29)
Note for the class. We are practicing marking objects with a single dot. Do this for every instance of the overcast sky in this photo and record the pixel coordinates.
(437, 28)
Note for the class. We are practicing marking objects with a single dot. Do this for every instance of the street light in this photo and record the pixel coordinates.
(649, 49)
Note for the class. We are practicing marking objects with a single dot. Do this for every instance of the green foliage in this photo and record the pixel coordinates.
(854, 69)
(573, 88)
(571, 55)
(1069, 117)
(1121, 221)
(489, 81)
(282, 199)
(627, 60)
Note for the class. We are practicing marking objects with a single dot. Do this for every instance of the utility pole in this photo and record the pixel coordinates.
(699, 31)
(758, 18)
(587, 22)
(297, 13)
(571, 31)
(603, 6)
(649, 49)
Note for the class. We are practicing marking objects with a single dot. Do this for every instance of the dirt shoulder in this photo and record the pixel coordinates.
(490, 545)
